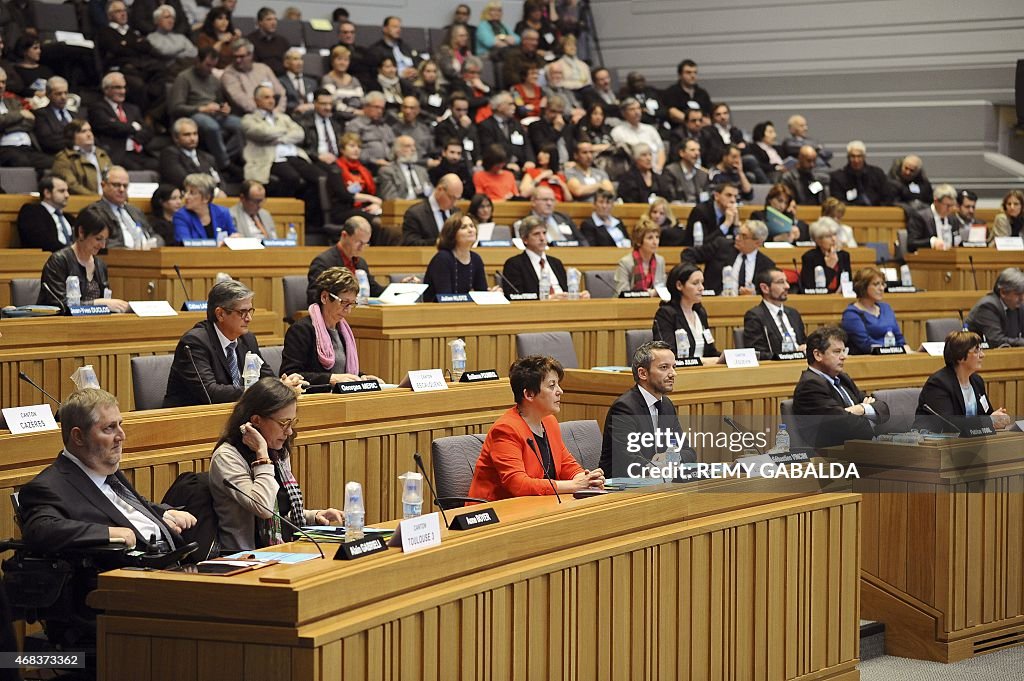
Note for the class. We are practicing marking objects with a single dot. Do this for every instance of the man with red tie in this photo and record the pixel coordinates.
(119, 126)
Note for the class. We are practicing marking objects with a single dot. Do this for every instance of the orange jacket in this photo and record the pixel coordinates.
(509, 467)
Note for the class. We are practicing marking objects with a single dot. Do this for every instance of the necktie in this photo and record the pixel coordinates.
(259, 224)
(842, 392)
(65, 117)
(65, 228)
(127, 228)
(415, 188)
(229, 352)
(300, 87)
(743, 272)
(543, 264)
(136, 147)
(127, 497)
(329, 136)
(782, 325)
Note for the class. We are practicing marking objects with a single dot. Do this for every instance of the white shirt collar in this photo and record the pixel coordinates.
(650, 399)
(774, 309)
(98, 478)
(223, 340)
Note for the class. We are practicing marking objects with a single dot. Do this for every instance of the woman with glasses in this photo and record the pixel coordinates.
(200, 218)
(321, 346)
(253, 454)
(867, 320)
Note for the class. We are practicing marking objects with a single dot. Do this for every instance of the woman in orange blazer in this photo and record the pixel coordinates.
(527, 434)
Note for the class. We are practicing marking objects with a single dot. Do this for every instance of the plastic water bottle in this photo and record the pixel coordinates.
(819, 277)
(698, 234)
(729, 286)
(364, 287)
(905, 277)
(219, 235)
(787, 343)
(458, 349)
(355, 512)
(251, 370)
(72, 291)
(890, 339)
(412, 495)
(292, 234)
(573, 277)
(682, 344)
(544, 286)
(782, 439)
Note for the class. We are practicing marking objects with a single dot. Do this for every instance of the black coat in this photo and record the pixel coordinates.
(758, 319)
(942, 393)
(518, 272)
(186, 380)
(112, 134)
(872, 186)
(629, 414)
(633, 189)
(36, 228)
(822, 419)
(814, 257)
(598, 235)
(175, 164)
(669, 317)
(59, 266)
(704, 213)
(921, 228)
(50, 131)
(299, 354)
(716, 255)
(491, 133)
(332, 258)
(445, 274)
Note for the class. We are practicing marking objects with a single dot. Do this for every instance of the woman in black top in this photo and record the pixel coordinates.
(832, 261)
(641, 184)
(455, 268)
(166, 201)
(685, 284)
(593, 129)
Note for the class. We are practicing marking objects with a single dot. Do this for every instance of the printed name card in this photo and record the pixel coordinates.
(745, 357)
(935, 348)
(30, 419)
(1009, 243)
(452, 298)
(477, 376)
(243, 243)
(88, 310)
(279, 243)
(194, 306)
(426, 380)
(199, 243)
(350, 387)
(152, 308)
(488, 297)
(421, 532)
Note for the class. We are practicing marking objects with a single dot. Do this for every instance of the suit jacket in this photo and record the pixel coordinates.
(491, 133)
(63, 509)
(757, 319)
(392, 183)
(685, 190)
(261, 140)
(704, 213)
(241, 221)
(629, 414)
(186, 381)
(872, 186)
(921, 228)
(112, 134)
(799, 183)
(175, 164)
(291, 95)
(669, 317)
(599, 236)
(332, 258)
(822, 419)
(312, 132)
(716, 255)
(518, 272)
(942, 393)
(448, 128)
(995, 324)
(13, 121)
(49, 129)
(419, 227)
(712, 146)
(510, 464)
(37, 229)
(81, 176)
(188, 226)
(814, 257)
(116, 239)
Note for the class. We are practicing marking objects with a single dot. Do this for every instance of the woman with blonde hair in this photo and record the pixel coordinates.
(491, 33)
(343, 86)
(836, 209)
(642, 269)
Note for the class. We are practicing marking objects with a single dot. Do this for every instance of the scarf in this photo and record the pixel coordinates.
(269, 531)
(324, 347)
(643, 281)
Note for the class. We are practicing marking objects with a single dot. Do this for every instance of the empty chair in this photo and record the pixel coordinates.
(272, 356)
(368, 34)
(583, 440)
(902, 409)
(52, 17)
(292, 31)
(900, 249)
(760, 194)
(313, 66)
(557, 344)
(436, 36)
(737, 339)
(634, 339)
(600, 283)
(19, 180)
(454, 461)
(417, 40)
(24, 292)
(149, 380)
(294, 295)
(317, 40)
(936, 330)
(244, 24)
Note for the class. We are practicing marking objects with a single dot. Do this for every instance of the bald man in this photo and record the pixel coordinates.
(422, 223)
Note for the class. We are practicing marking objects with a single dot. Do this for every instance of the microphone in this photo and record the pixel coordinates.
(198, 377)
(769, 339)
(740, 429)
(232, 486)
(939, 416)
(505, 279)
(545, 470)
(963, 323)
(181, 280)
(55, 297)
(970, 259)
(23, 376)
(430, 485)
(799, 282)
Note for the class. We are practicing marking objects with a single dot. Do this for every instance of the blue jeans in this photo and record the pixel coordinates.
(212, 132)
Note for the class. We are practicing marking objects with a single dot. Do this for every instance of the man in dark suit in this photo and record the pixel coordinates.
(44, 225)
(299, 89)
(452, 162)
(743, 255)
(362, 65)
(560, 226)
(459, 125)
(935, 226)
(323, 133)
(268, 46)
(808, 185)
(716, 138)
(120, 128)
(391, 45)
(857, 183)
(502, 128)
(131, 223)
(765, 325)
(355, 236)
(210, 357)
(638, 411)
(719, 216)
(998, 317)
(51, 119)
(82, 499)
(421, 224)
(521, 273)
(909, 183)
(184, 157)
(602, 228)
(19, 147)
(830, 409)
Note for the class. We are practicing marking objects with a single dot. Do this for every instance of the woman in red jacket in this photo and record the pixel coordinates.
(524, 446)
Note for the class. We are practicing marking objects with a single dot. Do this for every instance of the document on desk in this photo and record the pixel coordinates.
(280, 556)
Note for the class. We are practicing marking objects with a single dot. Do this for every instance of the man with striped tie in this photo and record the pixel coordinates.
(44, 225)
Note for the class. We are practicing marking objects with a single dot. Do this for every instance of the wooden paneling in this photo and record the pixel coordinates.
(952, 270)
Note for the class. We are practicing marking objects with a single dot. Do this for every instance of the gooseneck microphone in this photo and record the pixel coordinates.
(545, 470)
(942, 418)
(600, 278)
(232, 486)
(433, 494)
(23, 376)
(60, 302)
(502, 277)
(198, 377)
(181, 280)
(740, 429)
(974, 274)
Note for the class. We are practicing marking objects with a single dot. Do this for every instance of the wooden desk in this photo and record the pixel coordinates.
(942, 561)
(951, 270)
(662, 585)
(393, 340)
(49, 349)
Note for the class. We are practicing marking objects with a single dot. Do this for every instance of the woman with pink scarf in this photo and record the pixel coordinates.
(321, 346)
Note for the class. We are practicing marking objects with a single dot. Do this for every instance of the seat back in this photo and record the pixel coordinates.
(501, 233)
(902, 409)
(583, 440)
(737, 339)
(272, 356)
(936, 330)
(600, 283)
(317, 40)
(149, 380)
(18, 180)
(455, 460)
(791, 421)
(244, 24)
(24, 292)
(51, 17)
(294, 295)
(291, 29)
(760, 194)
(143, 176)
(634, 339)
(557, 344)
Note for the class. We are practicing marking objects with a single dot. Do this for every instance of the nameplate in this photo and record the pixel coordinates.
(467, 521)
(88, 310)
(421, 532)
(350, 387)
(662, 292)
(977, 432)
(199, 243)
(816, 291)
(634, 294)
(194, 306)
(689, 362)
(523, 296)
(488, 297)
(787, 356)
(901, 289)
(280, 243)
(567, 242)
(152, 308)
(1009, 243)
(709, 292)
(478, 376)
(742, 357)
(452, 298)
(30, 419)
(360, 548)
(244, 243)
(426, 380)
(894, 350)
(934, 348)
(495, 243)
(790, 457)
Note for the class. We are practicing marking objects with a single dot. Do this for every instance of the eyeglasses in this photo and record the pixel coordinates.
(286, 423)
(245, 313)
(345, 304)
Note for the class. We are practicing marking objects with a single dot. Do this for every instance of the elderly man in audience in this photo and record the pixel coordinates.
(120, 128)
(167, 43)
(909, 183)
(556, 86)
(743, 254)
(244, 75)
(688, 180)
(521, 57)
(376, 135)
(410, 124)
(584, 178)
(44, 225)
(17, 148)
(807, 184)
(251, 218)
(935, 226)
(268, 45)
(601, 93)
(184, 157)
(405, 178)
(858, 183)
(126, 49)
(559, 225)
(421, 225)
(686, 95)
(632, 132)
(81, 163)
(552, 129)
(299, 89)
(503, 129)
(131, 229)
(797, 125)
(355, 236)
(997, 316)
(197, 94)
(51, 119)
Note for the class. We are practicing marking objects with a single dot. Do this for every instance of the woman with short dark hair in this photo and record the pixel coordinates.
(683, 310)
(455, 268)
(867, 320)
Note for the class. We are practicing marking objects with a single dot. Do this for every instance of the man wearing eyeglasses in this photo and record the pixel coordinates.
(131, 229)
(241, 79)
(210, 357)
(355, 236)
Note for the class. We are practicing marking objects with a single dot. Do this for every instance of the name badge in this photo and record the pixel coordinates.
(983, 401)
(516, 138)
(549, 38)
(851, 195)
(434, 100)
(30, 419)
(815, 187)
(421, 532)
(652, 105)
(914, 188)
(741, 358)
(468, 145)
(703, 196)
(589, 180)
(427, 380)
(693, 105)
(354, 187)
(709, 338)
(564, 229)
